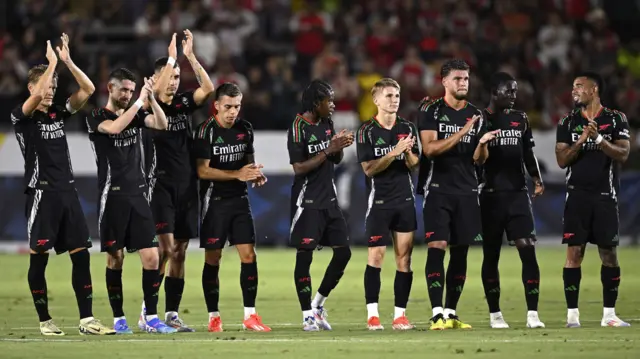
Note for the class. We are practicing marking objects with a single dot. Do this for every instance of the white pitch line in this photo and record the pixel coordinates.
(300, 324)
(308, 339)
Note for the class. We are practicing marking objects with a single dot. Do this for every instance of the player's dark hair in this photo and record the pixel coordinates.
(596, 78)
(314, 94)
(37, 71)
(162, 62)
(227, 89)
(453, 64)
(122, 74)
(498, 79)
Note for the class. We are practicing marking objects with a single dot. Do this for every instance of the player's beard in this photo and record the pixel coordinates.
(460, 96)
(121, 103)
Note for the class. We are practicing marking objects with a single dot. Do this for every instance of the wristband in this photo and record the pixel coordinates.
(598, 139)
(171, 61)
(139, 103)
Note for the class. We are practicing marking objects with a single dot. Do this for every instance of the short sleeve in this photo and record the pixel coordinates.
(250, 149)
(296, 143)
(202, 142)
(186, 102)
(94, 120)
(427, 120)
(364, 147)
(621, 129)
(527, 136)
(17, 115)
(562, 132)
(138, 120)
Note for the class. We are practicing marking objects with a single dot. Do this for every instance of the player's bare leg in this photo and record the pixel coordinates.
(174, 285)
(211, 287)
(249, 285)
(530, 280)
(610, 277)
(572, 275)
(434, 272)
(372, 285)
(403, 247)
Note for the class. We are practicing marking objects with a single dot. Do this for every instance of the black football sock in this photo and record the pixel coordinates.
(491, 277)
(114, 291)
(335, 270)
(402, 288)
(173, 288)
(249, 283)
(530, 276)
(456, 275)
(150, 290)
(610, 277)
(302, 277)
(211, 287)
(572, 277)
(81, 282)
(434, 272)
(38, 284)
(371, 284)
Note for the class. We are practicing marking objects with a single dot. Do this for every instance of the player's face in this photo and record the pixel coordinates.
(121, 92)
(584, 90)
(174, 82)
(48, 97)
(326, 107)
(506, 93)
(387, 100)
(457, 84)
(228, 108)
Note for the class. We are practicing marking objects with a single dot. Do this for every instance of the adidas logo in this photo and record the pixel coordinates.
(478, 238)
(435, 285)
(578, 129)
(444, 118)
(313, 138)
(219, 140)
(380, 141)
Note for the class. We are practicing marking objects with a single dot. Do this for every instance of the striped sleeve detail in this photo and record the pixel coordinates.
(425, 105)
(296, 129)
(362, 132)
(205, 127)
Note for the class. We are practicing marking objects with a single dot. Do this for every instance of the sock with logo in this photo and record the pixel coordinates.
(402, 288)
(530, 276)
(38, 284)
(249, 283)
(610, 277)
(572, 277)
(302, 277)
(114, 291)
(434, 271)
(211, 287)
(81, 282)
(335, 270)
(491, 276)
(456, 275)
(150, 290)
(173, 288)
(372, 284)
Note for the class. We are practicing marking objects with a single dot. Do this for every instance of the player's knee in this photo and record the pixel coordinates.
(575, 254)
(165, 254)
(403, 262)
(178, 256)
(115, 260)
(213, 257)
(150, 258)
(376, 256)
(304, 257)
(342, 255)
(609, 256)
(438, 245)
(248, 257)
(523, 243)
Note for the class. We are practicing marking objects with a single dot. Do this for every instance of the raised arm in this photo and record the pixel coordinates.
(114, 127)
(162, 82)
(79, 98)
(206, 88)
(39, 91)
(157, 120)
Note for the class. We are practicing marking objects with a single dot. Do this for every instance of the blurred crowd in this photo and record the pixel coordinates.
(272, 48)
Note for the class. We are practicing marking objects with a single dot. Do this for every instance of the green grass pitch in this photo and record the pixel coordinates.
(277, 304)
